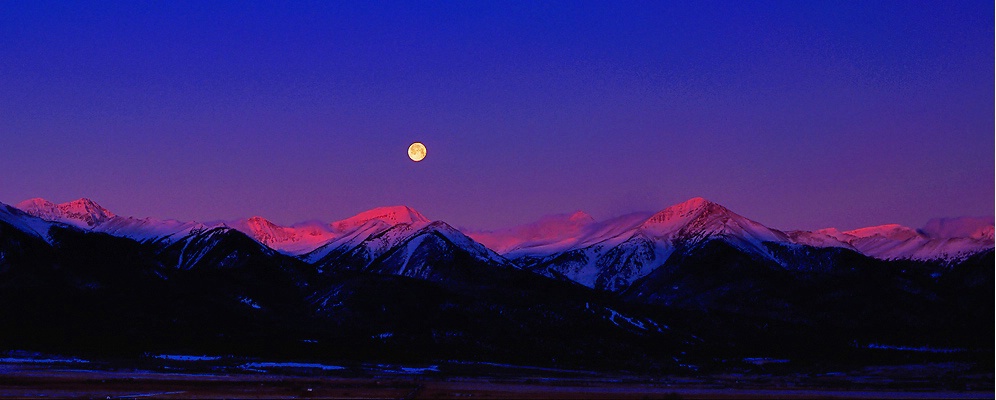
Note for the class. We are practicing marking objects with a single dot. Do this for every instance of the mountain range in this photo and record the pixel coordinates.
(694, 283)
(941, 239)
(604, 255)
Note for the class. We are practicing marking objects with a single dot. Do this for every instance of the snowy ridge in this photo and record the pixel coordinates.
(823, 238)
(149, 229)
(222, 247)
(28, 224)
(285, 239)
(83, 213)
(612, 264)
(431, 253)
(401, 249)
(298, 240)
(195, 247)
(477, 250)
(698, 219)
(364, 244)
(630, 249)
(351, 232)
(611, 255)
(87, 214)
(616, 250)
(378, 244)
(951, 241)
(313, 240)
(892, 242)
(888, 231)
(344, 243)
(392, 215)
(555, 234)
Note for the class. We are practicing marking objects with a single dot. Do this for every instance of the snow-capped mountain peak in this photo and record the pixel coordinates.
(700, 218)
(832, 233)
(258, 222)
(392, 215)
(986, 233)
(682, 215)
(685, 210)
(85, 205)
(600, 244)
(939, 240)
(296, 239)
(40, 208)
(267, 232)
(82, 212)
(830, 237)
(465, 242)
(86, 210)
(889, 231)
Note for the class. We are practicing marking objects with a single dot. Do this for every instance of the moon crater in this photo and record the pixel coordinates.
(416, 151)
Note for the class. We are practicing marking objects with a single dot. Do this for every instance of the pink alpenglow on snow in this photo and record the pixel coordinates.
(646, 239)
(893, 241)
(286, 239)
(82, 212)
(701, 217)
(391, 215)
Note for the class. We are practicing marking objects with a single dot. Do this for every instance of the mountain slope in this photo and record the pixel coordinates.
(218, 291)
(83, 213)
(614, 262)
(897, 242)
(435, 252)
(724, 289)
(947, 228)
(297, 239)
(576, 239)
(611, 255)
(856, 297)
(290, 240)
(24, 223)
(548, 231)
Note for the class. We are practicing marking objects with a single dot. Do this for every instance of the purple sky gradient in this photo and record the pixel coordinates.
(795, 114)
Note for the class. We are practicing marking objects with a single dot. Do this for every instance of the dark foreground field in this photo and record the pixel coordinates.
(79, 379)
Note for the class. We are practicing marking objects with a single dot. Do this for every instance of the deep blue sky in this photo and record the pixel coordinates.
(798, 114)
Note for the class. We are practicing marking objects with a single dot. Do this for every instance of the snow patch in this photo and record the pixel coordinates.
(263, 366)
(184, 357)
(21, 360)
(915, 349)
(249, 302)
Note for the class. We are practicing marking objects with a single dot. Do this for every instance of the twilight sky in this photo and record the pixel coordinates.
(797, 114)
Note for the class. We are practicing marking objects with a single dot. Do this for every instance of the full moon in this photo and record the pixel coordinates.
(416, 151)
